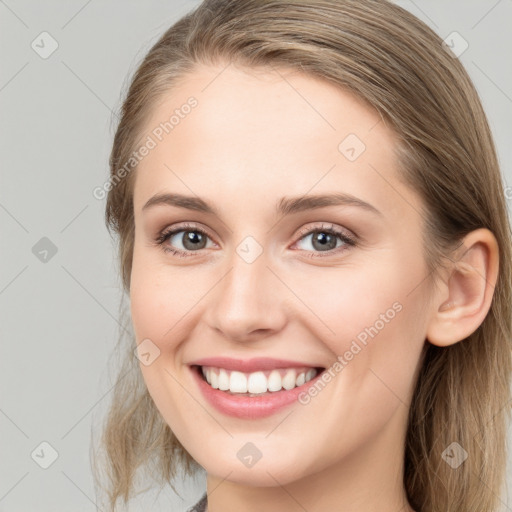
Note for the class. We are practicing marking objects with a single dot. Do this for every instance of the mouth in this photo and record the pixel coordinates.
(256, 383)
(264, 387)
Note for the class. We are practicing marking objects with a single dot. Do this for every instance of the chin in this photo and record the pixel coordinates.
(264, 473)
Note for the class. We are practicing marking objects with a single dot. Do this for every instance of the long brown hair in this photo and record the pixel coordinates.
(399, 66)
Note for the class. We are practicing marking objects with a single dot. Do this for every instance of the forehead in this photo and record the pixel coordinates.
(265, 100)
(255, 131)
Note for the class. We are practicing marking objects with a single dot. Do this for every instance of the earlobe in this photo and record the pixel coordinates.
(465, 296)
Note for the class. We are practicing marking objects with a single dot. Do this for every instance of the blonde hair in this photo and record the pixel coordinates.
(397, 65)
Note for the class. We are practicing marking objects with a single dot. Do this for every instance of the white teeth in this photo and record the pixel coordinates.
(274, 381)
(215, 381)
(237, 382)
(223, 380)
(257, 382)
(289, 380)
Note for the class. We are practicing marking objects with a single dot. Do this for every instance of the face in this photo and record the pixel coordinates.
(258, 272)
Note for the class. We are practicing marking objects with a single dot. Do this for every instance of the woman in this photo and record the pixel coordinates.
(314, 239)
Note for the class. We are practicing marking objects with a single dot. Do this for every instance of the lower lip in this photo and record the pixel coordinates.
(245, 407)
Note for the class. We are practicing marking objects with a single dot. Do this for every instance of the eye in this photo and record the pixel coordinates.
(324, 239)
(187, 239)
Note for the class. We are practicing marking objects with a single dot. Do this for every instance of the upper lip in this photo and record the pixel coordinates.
(250, 365)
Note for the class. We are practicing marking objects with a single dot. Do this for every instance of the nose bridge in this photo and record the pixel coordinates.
(247, 297)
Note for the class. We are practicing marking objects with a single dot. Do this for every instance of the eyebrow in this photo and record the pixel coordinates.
(286, 205)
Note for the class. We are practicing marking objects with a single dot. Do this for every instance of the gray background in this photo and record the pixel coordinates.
(59, 316)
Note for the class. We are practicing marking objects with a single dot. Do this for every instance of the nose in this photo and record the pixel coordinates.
(249, 301)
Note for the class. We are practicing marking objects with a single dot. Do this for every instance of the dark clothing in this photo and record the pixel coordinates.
(201, 505)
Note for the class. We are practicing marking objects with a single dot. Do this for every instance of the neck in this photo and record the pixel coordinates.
(369, 479)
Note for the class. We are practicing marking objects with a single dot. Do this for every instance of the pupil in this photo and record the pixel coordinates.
(193, 238)
(325, 240)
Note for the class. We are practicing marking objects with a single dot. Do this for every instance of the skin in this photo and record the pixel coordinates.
(254, 137)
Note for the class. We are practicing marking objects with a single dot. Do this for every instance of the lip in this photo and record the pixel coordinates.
(246, 407)
(250, 365)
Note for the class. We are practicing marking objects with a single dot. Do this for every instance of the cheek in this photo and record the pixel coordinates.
(149, 311)
(375, 329)
(153, 298)
(346, 300)
(372, 315)
(159, 302)
(163, 299)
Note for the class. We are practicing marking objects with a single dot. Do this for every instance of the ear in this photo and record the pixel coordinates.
(464, 297)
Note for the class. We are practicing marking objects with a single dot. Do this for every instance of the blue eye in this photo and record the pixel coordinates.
(193, 239)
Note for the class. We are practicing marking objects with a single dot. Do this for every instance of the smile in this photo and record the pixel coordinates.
(253, 395)
(259, 382)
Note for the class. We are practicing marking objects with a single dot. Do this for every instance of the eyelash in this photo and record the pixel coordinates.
(349, 241)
